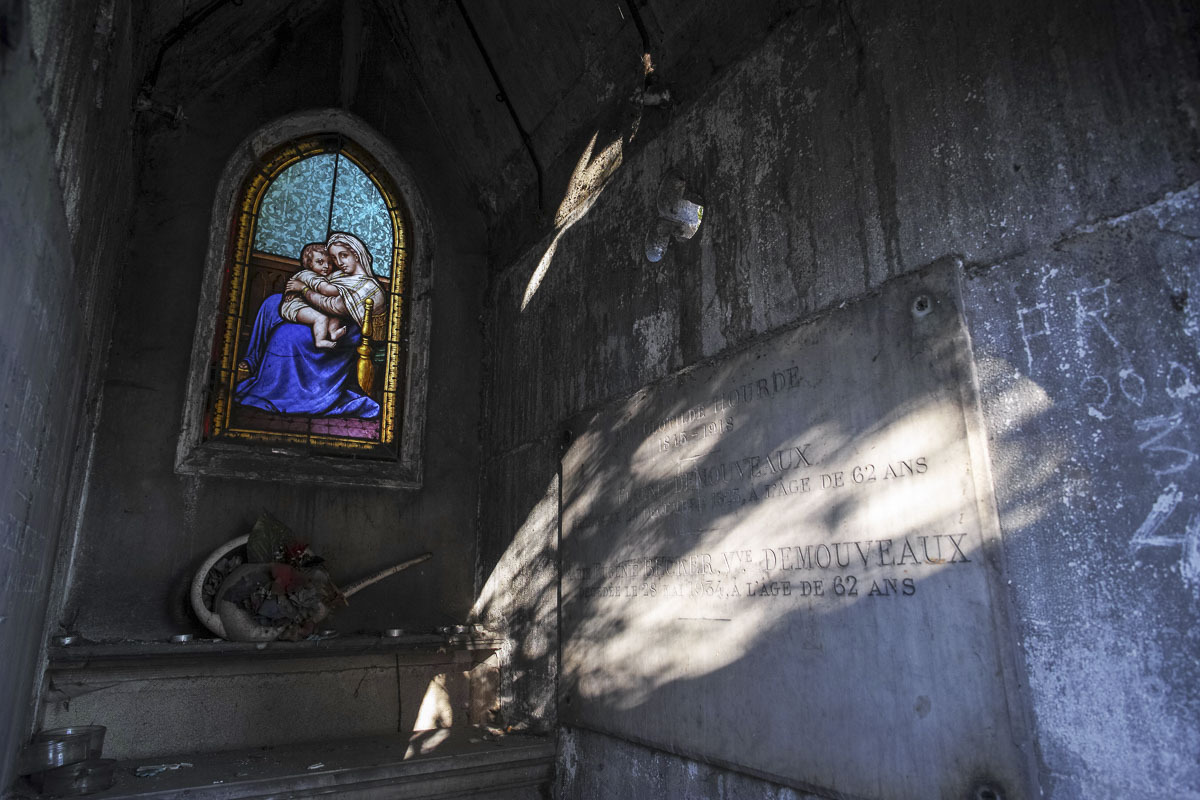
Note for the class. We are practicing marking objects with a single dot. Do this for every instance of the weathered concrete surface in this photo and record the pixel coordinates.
(841, 153)
(592, 765)
(518, 594)
(205, 707)
(59, 64)
(425, 766)
(860, 142)
(1089, 357)
(804, 531)
(139, 505)
(197, 56)
(204, 703)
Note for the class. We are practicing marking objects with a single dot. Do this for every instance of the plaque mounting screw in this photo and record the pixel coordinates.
(987, 791)
(921, 307)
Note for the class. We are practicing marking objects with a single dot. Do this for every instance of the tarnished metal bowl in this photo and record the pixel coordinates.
(58, 747)
(84, 777)
(93, 733)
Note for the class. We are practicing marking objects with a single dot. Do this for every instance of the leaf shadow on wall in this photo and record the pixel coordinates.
(726, 608)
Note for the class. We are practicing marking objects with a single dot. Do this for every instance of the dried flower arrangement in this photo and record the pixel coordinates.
(278, 589)
(289, 590)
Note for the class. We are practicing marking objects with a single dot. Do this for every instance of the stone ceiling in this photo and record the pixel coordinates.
(568, 70)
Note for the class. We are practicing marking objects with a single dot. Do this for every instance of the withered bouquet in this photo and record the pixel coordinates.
(292, 591)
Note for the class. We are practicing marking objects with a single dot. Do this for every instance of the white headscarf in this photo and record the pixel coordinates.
(358, 287)
(355, 244)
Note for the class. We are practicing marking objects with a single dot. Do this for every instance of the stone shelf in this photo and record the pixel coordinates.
(428, 764)
(85, 653)
(218, 696)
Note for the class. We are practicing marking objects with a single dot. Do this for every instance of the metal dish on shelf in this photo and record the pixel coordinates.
(83, 777)
(58, 747)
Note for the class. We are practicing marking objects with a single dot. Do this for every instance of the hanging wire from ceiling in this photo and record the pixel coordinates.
(337, 162)
(503, 97)
(176, 34)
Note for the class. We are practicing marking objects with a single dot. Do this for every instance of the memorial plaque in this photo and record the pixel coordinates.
(785, 561)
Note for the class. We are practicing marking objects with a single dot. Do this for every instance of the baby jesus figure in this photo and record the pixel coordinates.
(317, 274)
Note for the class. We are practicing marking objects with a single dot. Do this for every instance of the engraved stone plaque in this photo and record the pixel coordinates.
(787, 561)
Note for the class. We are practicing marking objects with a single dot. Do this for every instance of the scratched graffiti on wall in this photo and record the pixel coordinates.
(1126, 393)
(1088, 355)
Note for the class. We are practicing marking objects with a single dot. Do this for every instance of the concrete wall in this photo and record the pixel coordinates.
(593, 765)
(1052, 147)
(166, 697)
(1089, 358)
(65, 99)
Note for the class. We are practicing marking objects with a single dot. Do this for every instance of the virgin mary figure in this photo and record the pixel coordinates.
(289, 374)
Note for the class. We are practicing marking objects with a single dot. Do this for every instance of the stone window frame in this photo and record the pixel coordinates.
(194, 456)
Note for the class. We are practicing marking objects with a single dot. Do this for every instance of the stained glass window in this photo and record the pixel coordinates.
(297, 209)
(311, 337)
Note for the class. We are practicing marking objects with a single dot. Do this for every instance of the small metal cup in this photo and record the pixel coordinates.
(83, 777)
(92, 734)
(59, 747)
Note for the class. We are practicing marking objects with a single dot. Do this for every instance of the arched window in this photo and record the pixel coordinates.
(307, 327)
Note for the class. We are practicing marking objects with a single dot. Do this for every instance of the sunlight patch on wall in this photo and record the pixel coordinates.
(588, 181)
(426, 742)
(437, 709)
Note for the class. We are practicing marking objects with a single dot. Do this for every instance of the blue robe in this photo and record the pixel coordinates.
(290, 375)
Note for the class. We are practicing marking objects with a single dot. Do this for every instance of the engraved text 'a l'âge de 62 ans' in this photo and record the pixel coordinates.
(845, 567)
